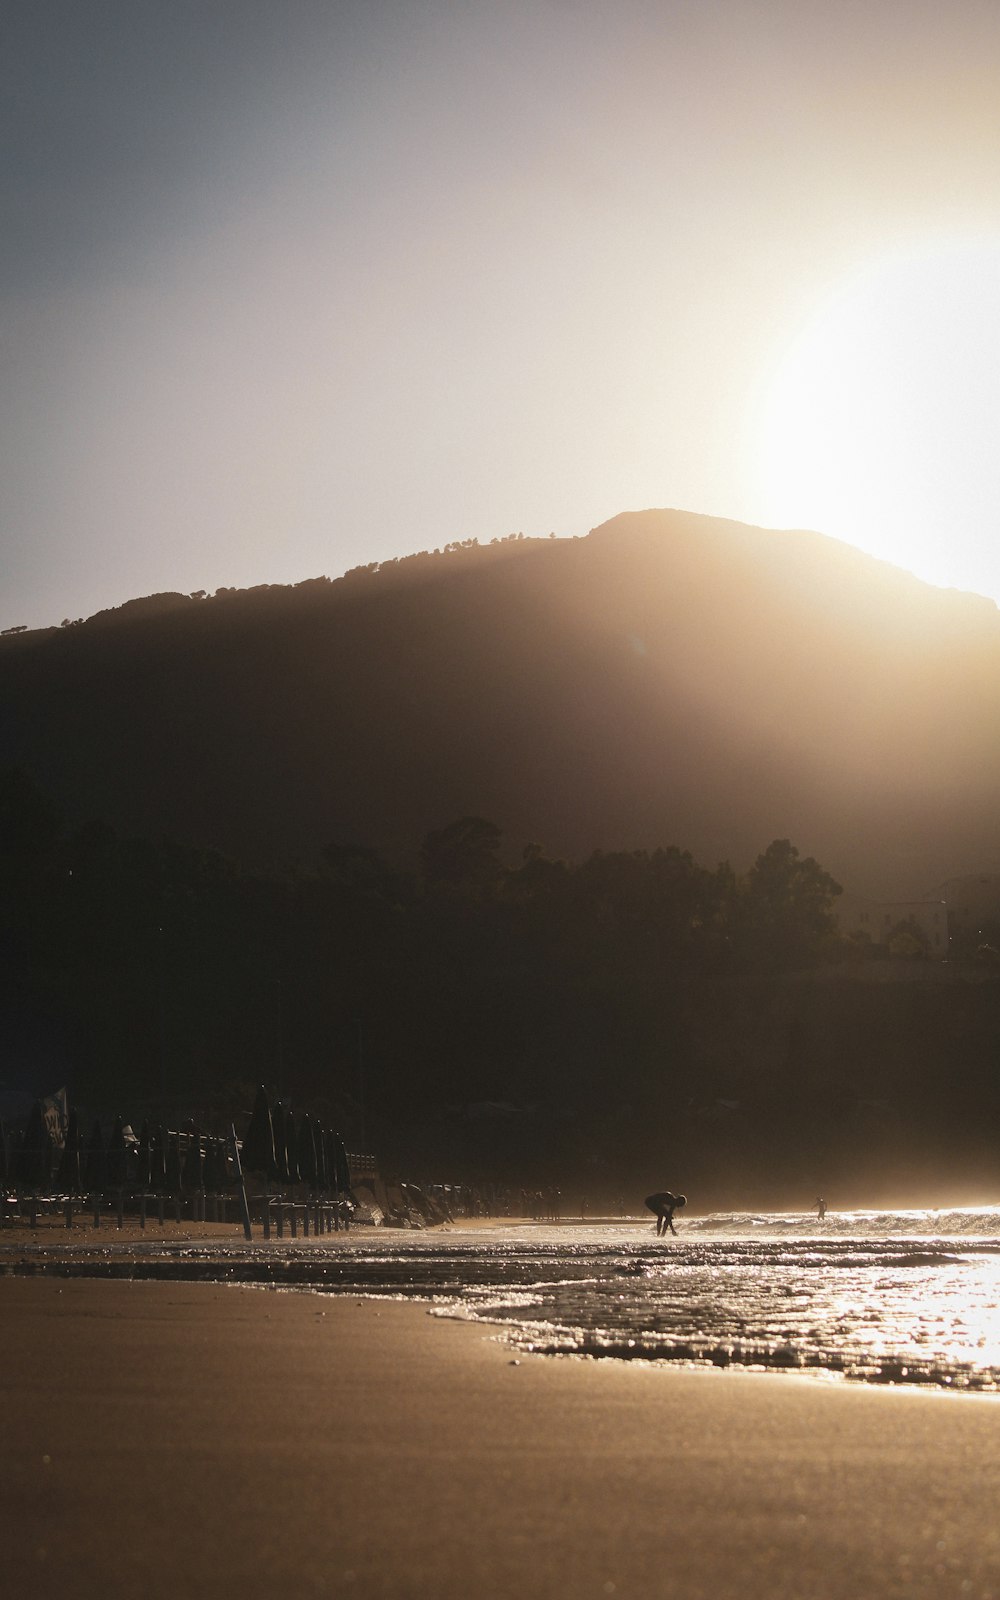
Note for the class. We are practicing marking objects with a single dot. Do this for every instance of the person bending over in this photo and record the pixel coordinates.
(663, 1204)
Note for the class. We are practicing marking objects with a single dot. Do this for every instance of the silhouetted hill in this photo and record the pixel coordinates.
(668, 679)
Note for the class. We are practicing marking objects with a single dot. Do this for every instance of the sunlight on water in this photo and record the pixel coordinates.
(880, 1297)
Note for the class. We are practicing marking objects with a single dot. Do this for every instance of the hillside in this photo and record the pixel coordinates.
(668, 679)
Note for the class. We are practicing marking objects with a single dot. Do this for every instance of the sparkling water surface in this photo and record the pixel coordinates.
(886, 1297)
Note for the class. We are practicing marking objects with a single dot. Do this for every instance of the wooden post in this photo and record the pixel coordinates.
(248, 1231)
(121, 1209)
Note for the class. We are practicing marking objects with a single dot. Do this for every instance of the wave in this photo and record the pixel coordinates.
(982, 1221)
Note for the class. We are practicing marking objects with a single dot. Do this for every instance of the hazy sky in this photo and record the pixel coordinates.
(291, 285)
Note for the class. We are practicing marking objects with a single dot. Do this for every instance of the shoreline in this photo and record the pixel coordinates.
(198, 1439)
(365, 1264)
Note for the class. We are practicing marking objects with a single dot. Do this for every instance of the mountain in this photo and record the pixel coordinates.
(668, 679)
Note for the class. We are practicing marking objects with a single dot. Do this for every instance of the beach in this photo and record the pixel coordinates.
(189, 1440)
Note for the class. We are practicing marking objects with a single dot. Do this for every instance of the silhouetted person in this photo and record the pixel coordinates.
(663, 1204)
(820, 1207)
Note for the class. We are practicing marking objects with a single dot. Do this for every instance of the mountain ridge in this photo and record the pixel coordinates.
(668, 678)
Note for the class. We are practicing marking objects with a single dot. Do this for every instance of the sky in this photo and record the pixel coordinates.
(288, 286)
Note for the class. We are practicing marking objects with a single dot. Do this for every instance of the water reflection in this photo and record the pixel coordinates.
(900, 1297)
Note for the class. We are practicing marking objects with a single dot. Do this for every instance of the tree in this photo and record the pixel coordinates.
(466, 852)
(789, 904)
(538, 874)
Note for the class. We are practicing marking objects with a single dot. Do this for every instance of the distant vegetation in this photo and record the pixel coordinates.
(594, 1023)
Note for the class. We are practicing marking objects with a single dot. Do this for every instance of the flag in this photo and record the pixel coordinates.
(55, 1115)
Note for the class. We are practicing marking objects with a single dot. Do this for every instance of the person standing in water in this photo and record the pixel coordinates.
(820, 1207)
(663, 1204)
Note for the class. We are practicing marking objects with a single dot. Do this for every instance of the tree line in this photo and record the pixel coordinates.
(530, 1020)
(138, 962)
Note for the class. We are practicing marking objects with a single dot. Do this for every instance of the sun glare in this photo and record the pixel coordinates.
(878, 422)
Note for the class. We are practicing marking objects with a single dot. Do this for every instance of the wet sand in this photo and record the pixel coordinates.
(52, 1233)
(182, 1441)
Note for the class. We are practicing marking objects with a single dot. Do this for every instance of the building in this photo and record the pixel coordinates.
(895, 924)
(973, 904)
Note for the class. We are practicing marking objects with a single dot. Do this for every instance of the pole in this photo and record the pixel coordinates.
(248, 1231)
(161, 1014)
(361, 1083)
(279, 1034)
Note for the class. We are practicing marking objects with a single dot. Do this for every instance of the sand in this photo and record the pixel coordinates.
(52, 1233)
(183, 1441)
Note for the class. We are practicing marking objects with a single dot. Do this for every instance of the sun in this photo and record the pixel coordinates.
(879, 421)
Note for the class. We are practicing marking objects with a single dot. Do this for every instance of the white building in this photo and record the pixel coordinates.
(972, 901)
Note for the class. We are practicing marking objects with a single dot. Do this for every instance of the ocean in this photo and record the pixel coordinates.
(877, 1297)
(888, 1297)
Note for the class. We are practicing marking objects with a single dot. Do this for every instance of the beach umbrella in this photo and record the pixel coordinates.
(221, 1165)
(16, 1156)
(158, 1160)
(210, 1171)
(194, 1167)
(279, 1121)
(333, 1160)
(258, 1145)
(341, 1165)
(291, 1149)
(115, 1161)
(319, 1138)
(225, 1177)
(317, 1152)
(172, 1176)
(329, 1161)
(94, 1173)
(69, 1177)
(306, 1151)
(34, 1168)
(143, 1171)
